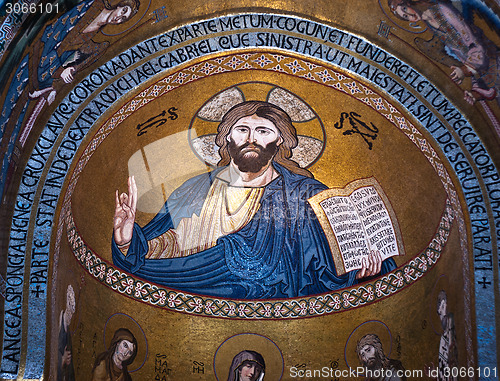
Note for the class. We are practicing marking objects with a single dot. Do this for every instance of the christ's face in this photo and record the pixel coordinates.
(368, 356)
(407, 13)
(256, 130)
(120, 15)
(249, 371)
(253, 141)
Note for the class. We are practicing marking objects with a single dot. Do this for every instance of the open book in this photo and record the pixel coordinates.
(357, 219)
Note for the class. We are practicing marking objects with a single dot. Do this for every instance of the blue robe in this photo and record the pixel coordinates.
(282, 252)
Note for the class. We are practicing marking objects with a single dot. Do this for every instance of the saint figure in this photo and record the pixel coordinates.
(65, 369)
(378, 367)
(112, 364)
(448, 349)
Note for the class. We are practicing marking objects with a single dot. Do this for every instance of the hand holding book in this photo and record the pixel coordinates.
(360, 225)
(371, 265)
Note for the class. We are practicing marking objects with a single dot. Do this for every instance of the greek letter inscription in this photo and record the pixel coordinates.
(334, 365)
(94, 346)
(398, 348)
(157, 121)
(366, 131)
(161, 367)
(80, 346)
(159, 14)
(198, 367)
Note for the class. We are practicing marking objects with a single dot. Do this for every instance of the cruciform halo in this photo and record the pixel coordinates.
(311, 137)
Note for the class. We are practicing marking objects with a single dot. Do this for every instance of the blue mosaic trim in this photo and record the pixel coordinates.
(339, 49)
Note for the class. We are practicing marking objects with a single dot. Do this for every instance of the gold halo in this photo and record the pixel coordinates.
(120, 320)
(251, 342)
(368, 327)
(209, 115)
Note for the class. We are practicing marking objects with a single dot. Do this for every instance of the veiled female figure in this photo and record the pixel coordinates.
(247, 366)
(112, 364)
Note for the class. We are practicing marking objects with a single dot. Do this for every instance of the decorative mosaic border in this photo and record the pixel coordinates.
(345, 299)
(144, 291)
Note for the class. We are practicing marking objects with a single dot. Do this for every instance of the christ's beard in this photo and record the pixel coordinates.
(251, 157)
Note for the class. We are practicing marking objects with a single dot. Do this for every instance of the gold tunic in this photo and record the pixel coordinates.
(226, 209)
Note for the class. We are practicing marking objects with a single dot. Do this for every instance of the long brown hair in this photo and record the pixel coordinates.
(272, 113)
(374, 341)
